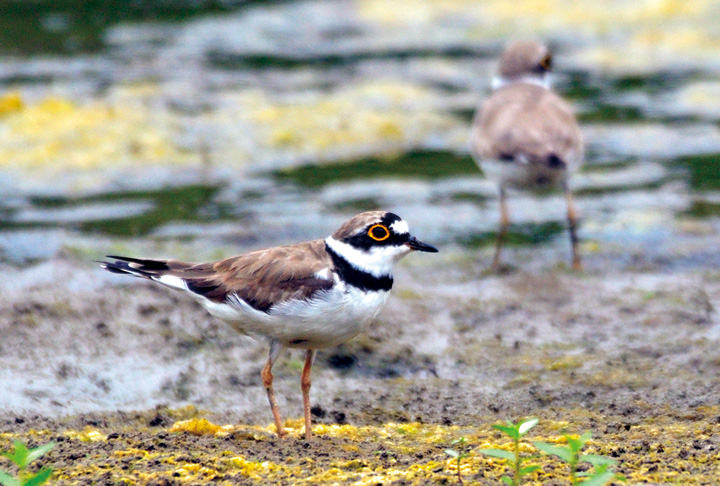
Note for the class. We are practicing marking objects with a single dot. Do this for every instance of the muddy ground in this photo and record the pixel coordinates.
(629, 354)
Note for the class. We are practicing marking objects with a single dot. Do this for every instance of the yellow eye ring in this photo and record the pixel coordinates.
(381, 226)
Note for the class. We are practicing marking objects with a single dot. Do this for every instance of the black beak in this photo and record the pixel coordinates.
(418, 245)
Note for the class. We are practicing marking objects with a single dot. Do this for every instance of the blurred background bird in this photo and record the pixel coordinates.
(526, 137)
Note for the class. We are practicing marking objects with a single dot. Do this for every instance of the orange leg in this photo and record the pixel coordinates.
(504, 224)
(305, 386)
(267, 379)
(572, 225)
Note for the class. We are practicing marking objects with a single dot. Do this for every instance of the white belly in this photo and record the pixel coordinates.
(329, 319)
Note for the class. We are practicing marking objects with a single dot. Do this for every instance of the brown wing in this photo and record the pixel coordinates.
(530, 121)
(262, 278)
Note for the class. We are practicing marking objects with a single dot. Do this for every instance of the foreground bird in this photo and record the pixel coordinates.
(310, 295)
(525, 136)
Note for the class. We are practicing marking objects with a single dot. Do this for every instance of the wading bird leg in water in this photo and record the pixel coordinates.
(504, 224)
(572, 226)
(267, 378)
(305, 386)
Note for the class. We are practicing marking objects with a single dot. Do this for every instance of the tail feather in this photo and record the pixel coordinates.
(143, 263)
(132, 266)
(156, 270)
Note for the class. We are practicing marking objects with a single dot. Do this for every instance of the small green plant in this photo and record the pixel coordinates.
(22, 457)
(570, 453)
(515, 432)
(458, 455)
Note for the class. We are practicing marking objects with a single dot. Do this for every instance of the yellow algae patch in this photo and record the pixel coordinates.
(195, 471)
(543, 14)
(132, 452)
(88, 434)
(640, 35)
(10, 103)
(357, 116)
(256, 469)
(59, 134)
(700, 97)
(200, 426)
(564, 363)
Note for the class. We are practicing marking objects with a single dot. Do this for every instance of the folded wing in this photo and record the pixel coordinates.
(262, 278)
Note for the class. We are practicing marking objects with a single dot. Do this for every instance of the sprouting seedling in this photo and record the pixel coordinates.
(602, 472)
(22, 457)
(515, 432)
(458, 455)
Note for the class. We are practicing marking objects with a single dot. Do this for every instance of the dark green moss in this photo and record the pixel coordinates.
(81, 24)
(188, 203)
(704, 170)
(703, 209)
(656, 83)
(606, 112)
(425, 164)
(361, 204)
(518, 234)
(234, 61)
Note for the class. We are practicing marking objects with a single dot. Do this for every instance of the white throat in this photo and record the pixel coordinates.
(544, 81)
(378, 261)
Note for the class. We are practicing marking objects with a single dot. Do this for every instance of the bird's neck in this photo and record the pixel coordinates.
(544, 81)
(354, 274)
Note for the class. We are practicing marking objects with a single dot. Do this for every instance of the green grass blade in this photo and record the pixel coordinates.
(452, 453)
(563, 453)
(599, 480)
(525, 426)
(574, 444)
(7, 480)
(38, 452)
(509, 431)
(529, 469)
(39, 478)
(499, 453)
(507, 480)
(19, 455)
(596, 460)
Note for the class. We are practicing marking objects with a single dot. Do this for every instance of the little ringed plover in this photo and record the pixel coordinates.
(525, 136)
(310, 295)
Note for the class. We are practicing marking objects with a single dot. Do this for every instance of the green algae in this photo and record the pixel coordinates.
(71, 26)
(418, 164)
(518, 234)
(233, 61)
(703, 209)
(185, 203)
(704, 170)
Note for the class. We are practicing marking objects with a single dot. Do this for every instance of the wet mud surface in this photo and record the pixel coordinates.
(631, 357)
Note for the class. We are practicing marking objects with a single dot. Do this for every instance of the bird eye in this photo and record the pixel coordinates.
(546, 62)
(379, 232)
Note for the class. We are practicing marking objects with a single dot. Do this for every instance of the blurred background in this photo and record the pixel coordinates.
(255, 123)
(201, 129)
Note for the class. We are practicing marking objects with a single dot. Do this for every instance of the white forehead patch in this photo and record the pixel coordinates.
(400, 227)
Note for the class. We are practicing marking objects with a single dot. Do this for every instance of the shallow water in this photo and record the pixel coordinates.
(245, 114)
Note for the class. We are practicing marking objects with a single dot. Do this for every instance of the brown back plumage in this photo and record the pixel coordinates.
(527, 120)
(261, 278)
